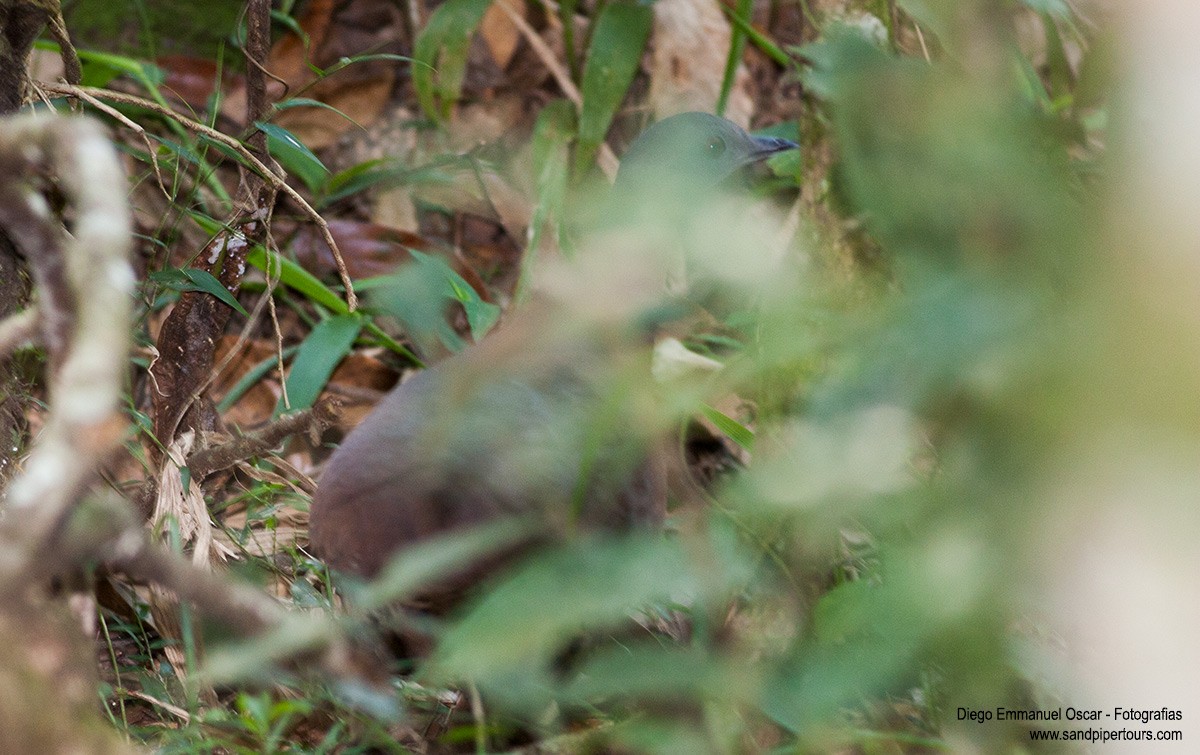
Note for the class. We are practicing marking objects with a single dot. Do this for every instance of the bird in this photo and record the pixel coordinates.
(693, 149)
(533, 421)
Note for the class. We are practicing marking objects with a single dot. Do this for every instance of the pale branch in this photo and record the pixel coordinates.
(85, 388)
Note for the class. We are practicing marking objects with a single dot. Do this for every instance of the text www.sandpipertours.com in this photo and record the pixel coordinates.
(1075, 722)
(1105, 735)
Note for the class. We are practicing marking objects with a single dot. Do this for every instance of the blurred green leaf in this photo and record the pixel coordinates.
(481, 315)
(737, 45)
(594, 582)
(566, 17)
(328, 343)
(761, 41)
(423, 564)
(963, 159)
(294, 156)
(649, 672)
(552, 136)
(441, 48)
(417, 296)
(1058, 67)
(613, 58)
(1054, 7)
(104, 65)
(936, 16)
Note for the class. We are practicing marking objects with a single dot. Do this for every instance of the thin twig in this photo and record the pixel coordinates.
(151, 150)
(921, 39)
(274, 179)
(72, 70)
(174, 710)
(318, 418)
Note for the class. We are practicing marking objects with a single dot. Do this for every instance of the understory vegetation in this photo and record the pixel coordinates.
(930, 408)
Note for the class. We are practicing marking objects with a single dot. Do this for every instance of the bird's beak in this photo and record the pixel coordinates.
(765, 146)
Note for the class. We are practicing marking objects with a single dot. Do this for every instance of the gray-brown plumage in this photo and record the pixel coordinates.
(528, 422)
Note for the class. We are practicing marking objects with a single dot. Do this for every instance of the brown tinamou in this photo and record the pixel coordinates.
(528, 422)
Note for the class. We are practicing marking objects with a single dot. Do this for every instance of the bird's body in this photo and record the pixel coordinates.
(535, 420)
(478, 437)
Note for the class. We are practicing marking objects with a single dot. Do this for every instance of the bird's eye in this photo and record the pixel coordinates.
(716, 146)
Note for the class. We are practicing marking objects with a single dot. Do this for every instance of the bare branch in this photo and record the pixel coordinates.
(85, 388)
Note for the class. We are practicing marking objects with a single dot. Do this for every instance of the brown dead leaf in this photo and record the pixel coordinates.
(369, 249)
(690, 43)
(193, 80)
(357, 95)
(358, 92)
(372, 249)
(365, 372)
(499, 33)
(359, 382)
(289, 56)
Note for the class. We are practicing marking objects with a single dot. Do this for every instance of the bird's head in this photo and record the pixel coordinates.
(693, 149)
(673, 216)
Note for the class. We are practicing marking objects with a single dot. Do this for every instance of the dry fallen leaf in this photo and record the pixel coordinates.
(358, 92)
(690, 43)
(499, 33)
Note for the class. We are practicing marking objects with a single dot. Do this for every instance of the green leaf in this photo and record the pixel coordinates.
(319, 354)
(104, 65)
(194, 279)
(383, 173)
(736, 431)
(294, 276)
(769, 48)
(181, 151)
(442, 48)
(288, 272)
(294, 156)
(389, 173)
(226, 150)
(295, 102)
(368, 57)
(613, 57)
(737, 45)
